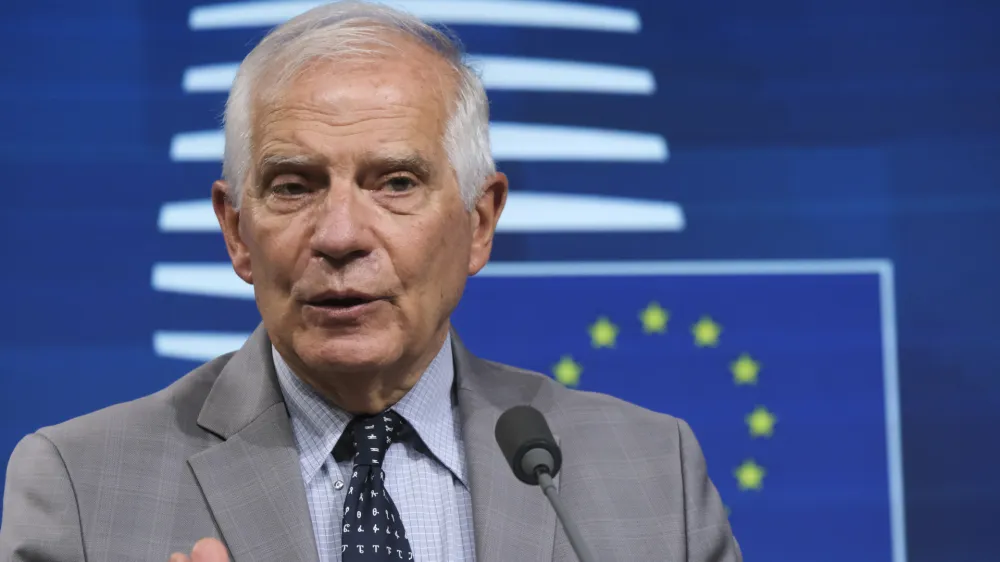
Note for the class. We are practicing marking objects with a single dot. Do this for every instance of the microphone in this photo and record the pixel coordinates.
(527, 443)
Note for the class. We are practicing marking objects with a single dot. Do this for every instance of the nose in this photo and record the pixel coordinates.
(343, 230)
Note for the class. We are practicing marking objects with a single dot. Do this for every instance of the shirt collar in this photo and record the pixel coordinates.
(428, 407)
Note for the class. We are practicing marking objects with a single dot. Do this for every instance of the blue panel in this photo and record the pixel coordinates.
(817, 342)
(797, 130)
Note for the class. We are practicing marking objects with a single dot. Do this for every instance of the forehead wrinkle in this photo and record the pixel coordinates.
(393, 139)
(318, 118)
(306, 108)
(397, 133)
(317, 112)
(284, 158)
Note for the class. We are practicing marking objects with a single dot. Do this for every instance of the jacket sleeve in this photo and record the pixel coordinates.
(709, 536)
(41, 518)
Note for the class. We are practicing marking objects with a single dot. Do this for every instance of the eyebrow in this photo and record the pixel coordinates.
(270, 161)
(414, 162)
(274, 163)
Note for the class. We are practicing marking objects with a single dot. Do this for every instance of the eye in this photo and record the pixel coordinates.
(400, 184)
(289, 189)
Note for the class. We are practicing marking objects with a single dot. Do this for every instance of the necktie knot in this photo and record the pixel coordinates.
(372, 435)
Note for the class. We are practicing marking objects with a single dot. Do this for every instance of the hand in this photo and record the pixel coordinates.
(205, 550)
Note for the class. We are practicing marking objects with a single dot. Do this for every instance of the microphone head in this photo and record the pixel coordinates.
(527, 443)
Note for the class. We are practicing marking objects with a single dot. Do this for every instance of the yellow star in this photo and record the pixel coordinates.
(750, 475)
(745, 370)
(761, 422)
(567, 371)
(706, 332)
(654, 319)
(603, 333)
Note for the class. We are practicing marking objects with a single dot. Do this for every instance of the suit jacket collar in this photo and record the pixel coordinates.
(246, 388)
(503, 507)
(251, 480)
(253, 484)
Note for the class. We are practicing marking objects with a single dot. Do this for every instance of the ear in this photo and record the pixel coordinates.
(485, 216)
(229, 223)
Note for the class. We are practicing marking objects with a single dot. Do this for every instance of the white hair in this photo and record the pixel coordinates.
(350, 29)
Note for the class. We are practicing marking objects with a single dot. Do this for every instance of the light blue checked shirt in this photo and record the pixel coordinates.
(430, 492)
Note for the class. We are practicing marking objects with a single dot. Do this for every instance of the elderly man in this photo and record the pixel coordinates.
(359, 195)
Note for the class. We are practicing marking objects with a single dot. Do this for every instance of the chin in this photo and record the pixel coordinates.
(348, 352)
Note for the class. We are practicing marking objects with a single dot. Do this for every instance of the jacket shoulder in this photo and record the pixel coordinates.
(173, 409)
(577, 406)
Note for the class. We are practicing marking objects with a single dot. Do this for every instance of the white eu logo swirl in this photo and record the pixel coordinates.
(526, 211)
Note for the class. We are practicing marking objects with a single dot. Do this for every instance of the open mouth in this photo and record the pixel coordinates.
(342, 303)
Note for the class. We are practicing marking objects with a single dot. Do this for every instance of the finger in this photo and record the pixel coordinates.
(178, 557)
(209, 550)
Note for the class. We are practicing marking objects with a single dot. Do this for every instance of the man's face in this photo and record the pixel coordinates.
(352, 228)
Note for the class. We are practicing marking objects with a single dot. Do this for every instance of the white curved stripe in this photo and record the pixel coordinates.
(525, 212)
(511, 142)
(197, 146)
(210, 77)
(557, 212)
(528, 142)
(498, 73)
(188, 216)
(548, 75)
(523, 13)
(196, 346)
(204, 279)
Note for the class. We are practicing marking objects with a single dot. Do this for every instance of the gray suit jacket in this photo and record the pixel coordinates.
(213, 455)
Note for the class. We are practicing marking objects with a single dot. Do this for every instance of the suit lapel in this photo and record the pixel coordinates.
(253, 484)
(251, 480)
(512, 521)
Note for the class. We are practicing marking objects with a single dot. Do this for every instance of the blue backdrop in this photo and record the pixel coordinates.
(778, 220)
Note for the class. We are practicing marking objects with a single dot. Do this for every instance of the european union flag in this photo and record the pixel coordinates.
(786, 371)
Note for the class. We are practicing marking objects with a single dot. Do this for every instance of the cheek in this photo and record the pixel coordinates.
(428, 255)
(276, 250)
(448, 262)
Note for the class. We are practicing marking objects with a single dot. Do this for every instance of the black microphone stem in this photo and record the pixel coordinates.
(583, 554)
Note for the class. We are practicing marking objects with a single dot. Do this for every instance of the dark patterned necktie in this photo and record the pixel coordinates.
(372, 530)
